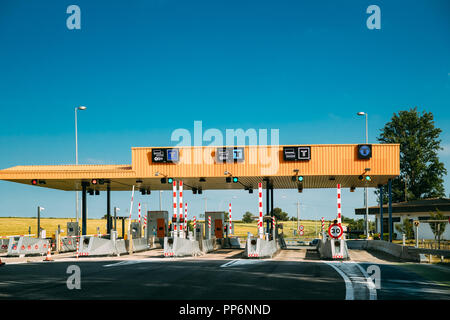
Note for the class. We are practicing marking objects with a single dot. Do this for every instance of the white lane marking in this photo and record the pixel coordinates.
(239, 262)
(124, 263)
(370, 285)
(349, 292)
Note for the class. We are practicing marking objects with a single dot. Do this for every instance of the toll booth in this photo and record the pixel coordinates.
(157, 224)
(226, 228)
(136, 230)
(72, 229)
(199, 231)
(217, 222)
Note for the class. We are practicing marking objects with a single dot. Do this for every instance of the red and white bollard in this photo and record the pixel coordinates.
(180, 208)
(174, 223)
(260, 221)
(229, 219)
(209, 227)
(78, 247)
(139, 213)
(185, 218)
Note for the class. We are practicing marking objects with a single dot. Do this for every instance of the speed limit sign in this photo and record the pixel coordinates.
(335, 231)
(301, 232)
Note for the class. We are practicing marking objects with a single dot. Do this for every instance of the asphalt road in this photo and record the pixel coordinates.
(292, 275)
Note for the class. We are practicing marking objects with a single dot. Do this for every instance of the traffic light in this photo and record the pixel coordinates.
(228, 179)
(170, 180)
(194, 190)
(250, 190)
(300, 188)
(368, 178)
(163, 180)
(235, 179)
(300, 178)
(34, 182)
(200, 191)
(94, 181)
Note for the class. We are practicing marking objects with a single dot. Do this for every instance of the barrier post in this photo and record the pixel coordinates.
(174, 219)
(185, 218)
(195, 228)
(260, 221)
(180, 208)
(229, 219)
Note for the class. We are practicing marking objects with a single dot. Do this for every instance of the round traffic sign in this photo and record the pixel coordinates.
(301, 232)
(301, 228)
(335, 231)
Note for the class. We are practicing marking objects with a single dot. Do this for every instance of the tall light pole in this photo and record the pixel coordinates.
(76, 152)
(39, 221)
(366, 198)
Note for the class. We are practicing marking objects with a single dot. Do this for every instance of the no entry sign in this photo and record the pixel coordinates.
(335, 231)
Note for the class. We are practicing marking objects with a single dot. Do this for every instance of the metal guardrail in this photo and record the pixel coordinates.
(434, 252)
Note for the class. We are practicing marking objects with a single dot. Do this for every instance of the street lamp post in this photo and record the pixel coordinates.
(366, 194)
(39, 221)
(76, 152)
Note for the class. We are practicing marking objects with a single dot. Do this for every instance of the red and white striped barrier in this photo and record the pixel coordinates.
(274, 223)
(18, 235)
(180, 207)
(209, 226)
(253, 255)
(174, 189)
(139, 213)
(260, 221)
(78, 247)
(169, 254)
(229, 218)
(195, 222)
(339, 204)
(185, 217)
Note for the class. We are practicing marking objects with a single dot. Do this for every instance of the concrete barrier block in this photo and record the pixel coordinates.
(140, 244)
(179, 247)
(26, 246)
(260, 248)
(4, 245)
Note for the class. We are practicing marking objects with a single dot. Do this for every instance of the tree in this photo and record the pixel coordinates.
(420, 168)
(247, 218)
(280, 215)
(438, 228)
(407, 228)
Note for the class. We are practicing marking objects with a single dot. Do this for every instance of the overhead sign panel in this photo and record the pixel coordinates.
(297, 153)
(165, 155)
(364, 151)
(233, 154)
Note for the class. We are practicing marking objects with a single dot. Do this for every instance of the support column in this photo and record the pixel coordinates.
(381, 212)
(390, 210)
(83, 208)
(271, 209)
(267, 204)
(108, 209)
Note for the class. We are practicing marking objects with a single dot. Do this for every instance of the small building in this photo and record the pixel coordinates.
(413, 210)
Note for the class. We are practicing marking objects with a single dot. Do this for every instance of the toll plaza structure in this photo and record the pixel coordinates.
(222, 168)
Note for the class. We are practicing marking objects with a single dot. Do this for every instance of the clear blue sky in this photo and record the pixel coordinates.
(146, 68)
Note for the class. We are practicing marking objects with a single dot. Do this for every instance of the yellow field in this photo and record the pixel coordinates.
(18, 226)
